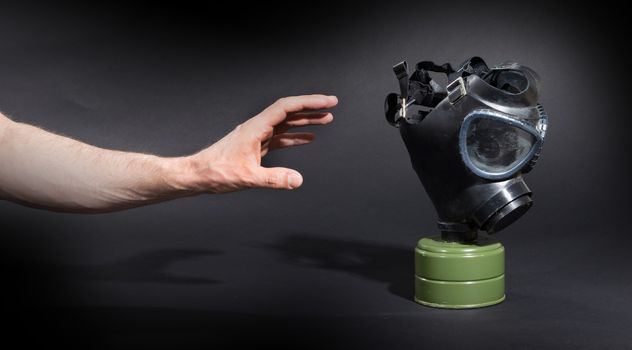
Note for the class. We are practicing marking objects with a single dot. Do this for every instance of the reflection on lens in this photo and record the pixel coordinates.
(495, 147)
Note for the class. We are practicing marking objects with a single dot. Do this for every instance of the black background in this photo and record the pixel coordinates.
(328, 265)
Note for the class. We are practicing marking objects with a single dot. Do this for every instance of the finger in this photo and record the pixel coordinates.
(304, 119)
(283, 107)
(291, 139)
(277, 178)
(313, 118)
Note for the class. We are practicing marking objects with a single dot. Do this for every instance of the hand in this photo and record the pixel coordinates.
(234, 162)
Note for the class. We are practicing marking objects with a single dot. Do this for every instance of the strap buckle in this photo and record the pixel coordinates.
(456, 90)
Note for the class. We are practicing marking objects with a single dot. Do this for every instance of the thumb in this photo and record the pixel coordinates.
(278, 178)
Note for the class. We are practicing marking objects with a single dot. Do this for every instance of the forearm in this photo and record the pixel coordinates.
(41, 169)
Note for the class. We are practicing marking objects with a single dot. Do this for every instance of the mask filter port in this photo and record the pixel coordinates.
(508, 214)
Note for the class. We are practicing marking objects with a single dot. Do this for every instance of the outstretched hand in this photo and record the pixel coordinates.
(234, 162)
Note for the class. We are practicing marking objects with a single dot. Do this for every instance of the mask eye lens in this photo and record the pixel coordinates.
(495, 146)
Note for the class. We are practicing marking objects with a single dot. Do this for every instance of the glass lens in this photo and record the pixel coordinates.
(495, 146)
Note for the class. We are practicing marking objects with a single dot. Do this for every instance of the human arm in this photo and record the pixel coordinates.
(44, 170)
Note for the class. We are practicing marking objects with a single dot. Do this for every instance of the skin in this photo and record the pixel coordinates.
(44, 170)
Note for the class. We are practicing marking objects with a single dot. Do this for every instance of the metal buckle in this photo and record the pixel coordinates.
(456, 90)
(402, 111)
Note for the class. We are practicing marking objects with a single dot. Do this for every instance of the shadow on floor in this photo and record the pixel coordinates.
(392, 265)
(145, 267)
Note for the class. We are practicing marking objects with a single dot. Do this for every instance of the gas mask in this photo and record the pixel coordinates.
(471, 142)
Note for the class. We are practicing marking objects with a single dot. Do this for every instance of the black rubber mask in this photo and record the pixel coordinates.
(471, 141)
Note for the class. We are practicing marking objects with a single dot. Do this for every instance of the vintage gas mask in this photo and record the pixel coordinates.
(471, 142)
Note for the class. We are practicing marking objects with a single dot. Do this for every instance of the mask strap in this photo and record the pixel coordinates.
(473, 66)
(429, 66)
(418, 89)
(401, 71)
(425, 91)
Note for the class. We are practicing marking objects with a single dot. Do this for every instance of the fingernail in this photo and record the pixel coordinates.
(333, 98)
(294, 180)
